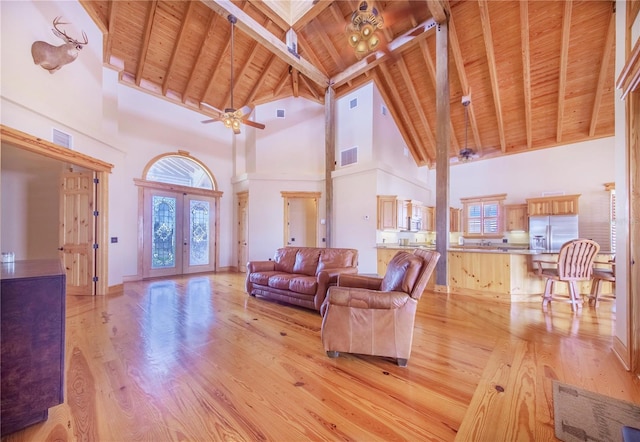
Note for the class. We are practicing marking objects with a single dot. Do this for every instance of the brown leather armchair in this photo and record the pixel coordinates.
(373, 315)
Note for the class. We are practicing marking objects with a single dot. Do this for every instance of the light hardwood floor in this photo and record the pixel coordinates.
(197, 359)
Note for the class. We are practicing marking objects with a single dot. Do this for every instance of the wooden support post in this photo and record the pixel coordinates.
(442, 155)
(330, 159)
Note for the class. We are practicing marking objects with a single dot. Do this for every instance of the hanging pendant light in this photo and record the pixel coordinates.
(466, 154)
(362, 29)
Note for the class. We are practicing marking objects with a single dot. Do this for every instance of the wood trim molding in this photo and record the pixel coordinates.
(177, 188)
(48, 149)
(609, 186)
(286, 194)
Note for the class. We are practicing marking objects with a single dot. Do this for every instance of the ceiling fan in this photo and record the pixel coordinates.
(232, 117)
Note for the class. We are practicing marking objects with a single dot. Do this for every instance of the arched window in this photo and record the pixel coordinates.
(180, 169)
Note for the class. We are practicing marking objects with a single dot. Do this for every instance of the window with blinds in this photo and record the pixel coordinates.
(483, 216)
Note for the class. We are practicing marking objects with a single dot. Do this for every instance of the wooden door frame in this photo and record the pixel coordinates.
(30, 143)
(304, 195)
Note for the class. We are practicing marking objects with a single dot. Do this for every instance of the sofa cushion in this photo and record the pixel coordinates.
(261, 278)
(284, 259)
(304, 284)
(335, 258)
(402, 273)
(306, 261)
(281, 280)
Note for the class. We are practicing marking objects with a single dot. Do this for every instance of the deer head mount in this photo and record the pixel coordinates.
(52, 57)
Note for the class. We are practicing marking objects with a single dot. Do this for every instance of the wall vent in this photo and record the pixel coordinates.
(353, 103)
(62, 139)
(384, 111)
(349, 156)
(279, 113)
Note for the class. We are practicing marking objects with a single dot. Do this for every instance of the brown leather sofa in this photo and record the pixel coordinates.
(375, 316)
(300, 275)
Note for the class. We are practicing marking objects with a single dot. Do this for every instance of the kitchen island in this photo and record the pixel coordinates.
(499, 273)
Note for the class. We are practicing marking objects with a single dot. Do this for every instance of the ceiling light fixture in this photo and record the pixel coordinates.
(466, 154)
(362, 29)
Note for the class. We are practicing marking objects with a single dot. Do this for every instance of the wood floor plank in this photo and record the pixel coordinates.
(196, 358)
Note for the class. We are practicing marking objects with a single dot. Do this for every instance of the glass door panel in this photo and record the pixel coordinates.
(199, 222)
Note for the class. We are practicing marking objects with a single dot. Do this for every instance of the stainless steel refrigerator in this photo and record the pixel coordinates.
(548, 233)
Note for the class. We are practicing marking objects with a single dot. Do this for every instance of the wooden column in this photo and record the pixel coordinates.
(442, 155)
(330, 159)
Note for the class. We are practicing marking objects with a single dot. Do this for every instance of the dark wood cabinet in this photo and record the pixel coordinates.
(32, 341)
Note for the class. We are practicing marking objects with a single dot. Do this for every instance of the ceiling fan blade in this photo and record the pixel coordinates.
(212, 120)
(253, 124)
(202, 103)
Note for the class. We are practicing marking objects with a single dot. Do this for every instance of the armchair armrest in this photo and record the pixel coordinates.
(360, 281)
(366, 299)
(326, 278)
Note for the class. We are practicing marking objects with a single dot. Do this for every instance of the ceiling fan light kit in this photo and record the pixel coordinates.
(362, 29)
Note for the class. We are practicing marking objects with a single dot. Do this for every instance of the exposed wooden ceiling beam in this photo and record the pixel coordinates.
(262, 79)
(247, 63)
(284, 79)
(400, 114)
(526, 69)
(602, 78)
(401, 43)
(431, 69)
(437, 9)
(564, 58)
(294, 83)
(204, 45)
(416, 103)
(316, 9)
(311, 88)
(493, 73)
(305, 50)
(328, 45)
(270, 13)
(454, 46)
(177, 47)
(252, 28)
(218, 65)
(145, 44)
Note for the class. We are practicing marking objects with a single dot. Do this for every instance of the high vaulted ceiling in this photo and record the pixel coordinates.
(539, 73)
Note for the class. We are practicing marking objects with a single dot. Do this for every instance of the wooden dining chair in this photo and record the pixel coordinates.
(575, 263)
(600, 275)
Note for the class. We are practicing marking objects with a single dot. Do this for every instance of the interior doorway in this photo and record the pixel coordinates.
(301, 218)
(100, 170)
(243, 230)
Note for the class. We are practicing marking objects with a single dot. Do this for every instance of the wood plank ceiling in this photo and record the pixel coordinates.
(540, 74)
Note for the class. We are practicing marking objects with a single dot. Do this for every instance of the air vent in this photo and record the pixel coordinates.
(279, 113)
(383, 110)
(62, 139)
(349, 156)
(353, 103)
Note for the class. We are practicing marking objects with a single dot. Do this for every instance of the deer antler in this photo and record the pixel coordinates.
(63, 35)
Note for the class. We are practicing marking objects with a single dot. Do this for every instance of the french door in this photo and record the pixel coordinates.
(179, 233)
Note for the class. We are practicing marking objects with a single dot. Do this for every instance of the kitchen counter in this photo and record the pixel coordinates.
(490, 272)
